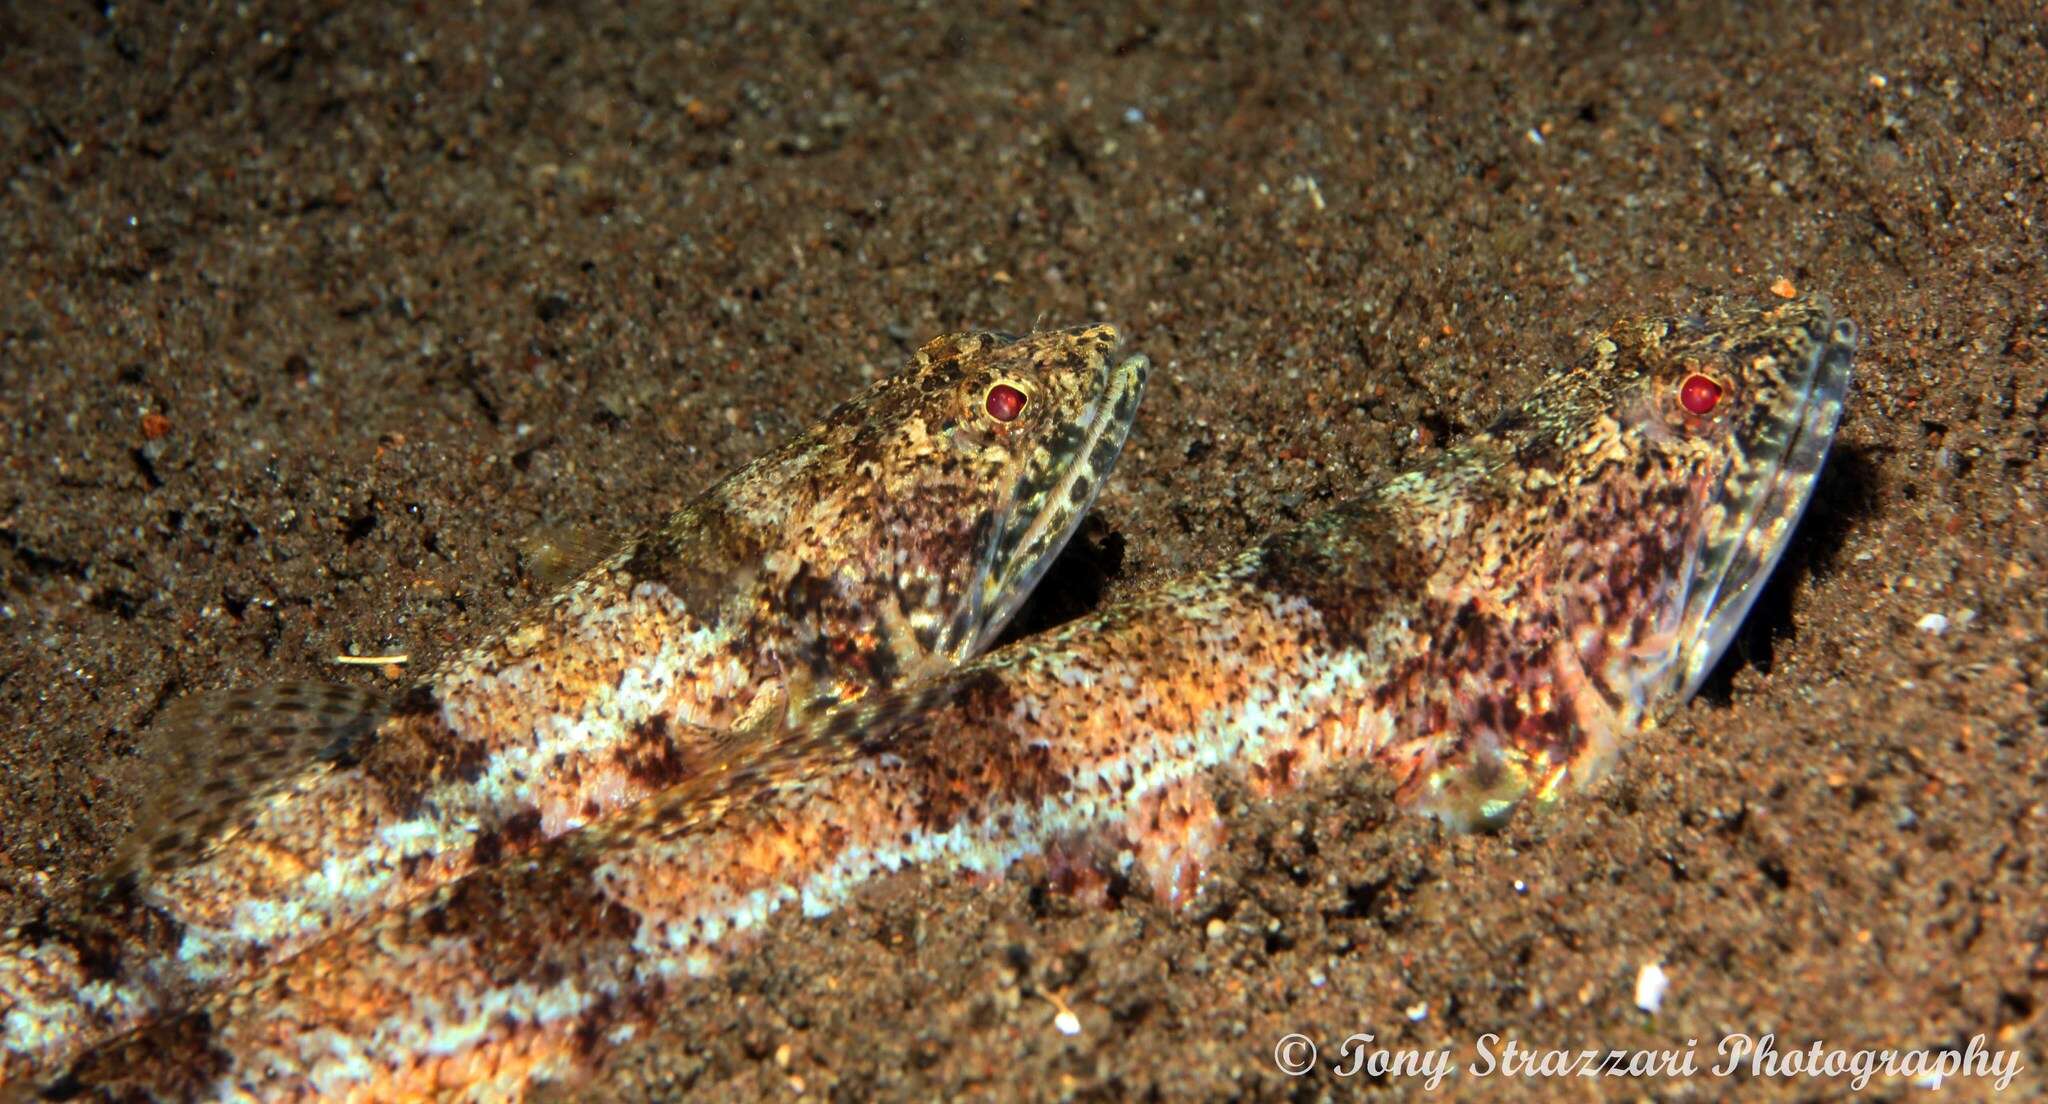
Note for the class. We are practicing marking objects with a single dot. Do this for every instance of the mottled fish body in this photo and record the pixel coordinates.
(1484, 630)
(887, 543)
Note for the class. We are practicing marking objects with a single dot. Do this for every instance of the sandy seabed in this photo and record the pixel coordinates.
(308, 312)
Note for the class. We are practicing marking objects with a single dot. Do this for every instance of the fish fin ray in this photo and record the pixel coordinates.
(556, 555)
(218, 756)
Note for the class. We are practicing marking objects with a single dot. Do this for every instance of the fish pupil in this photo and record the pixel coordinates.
(1005, 402)
(1699, 395)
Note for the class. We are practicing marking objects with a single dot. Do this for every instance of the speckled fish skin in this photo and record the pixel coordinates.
(889, 542)
(1484, 629)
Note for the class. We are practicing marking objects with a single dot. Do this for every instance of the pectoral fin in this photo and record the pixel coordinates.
(216, 757)
(555, 555)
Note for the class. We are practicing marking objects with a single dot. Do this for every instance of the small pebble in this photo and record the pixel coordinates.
(1933, 623)
(1651, 983)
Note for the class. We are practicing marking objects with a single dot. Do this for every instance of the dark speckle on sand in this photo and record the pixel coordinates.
(309, 312)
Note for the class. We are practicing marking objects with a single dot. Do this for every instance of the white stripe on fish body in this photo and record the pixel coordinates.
(354, 880)
(1241, 734)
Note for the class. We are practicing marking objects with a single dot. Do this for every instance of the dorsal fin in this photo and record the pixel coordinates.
(557, 554)
(217, 756)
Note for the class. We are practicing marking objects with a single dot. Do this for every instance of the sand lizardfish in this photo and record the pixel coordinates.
(1484, 630)
(888, 542)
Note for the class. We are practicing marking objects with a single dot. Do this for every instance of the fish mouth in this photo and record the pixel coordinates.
(1770, 486)
(1020, 558)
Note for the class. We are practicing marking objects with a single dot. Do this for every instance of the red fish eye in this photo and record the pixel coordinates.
(1005, 402)
(1699, 395)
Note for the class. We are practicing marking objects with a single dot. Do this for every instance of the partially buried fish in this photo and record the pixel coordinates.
(1485, 629)
(891, 541)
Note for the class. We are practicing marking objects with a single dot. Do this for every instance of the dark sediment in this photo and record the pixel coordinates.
(308, 314)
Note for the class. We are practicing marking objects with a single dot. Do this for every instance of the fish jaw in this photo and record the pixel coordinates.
(1053, 503)
(1767, 498)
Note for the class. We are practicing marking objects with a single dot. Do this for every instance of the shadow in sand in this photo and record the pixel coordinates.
(1847, 495)
(1074, 584)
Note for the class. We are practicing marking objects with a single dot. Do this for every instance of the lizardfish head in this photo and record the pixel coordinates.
(951, 487)
(1043, 418)
(1740, 403)
(1030, 427)
(1628, 514)
(1685, 450)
